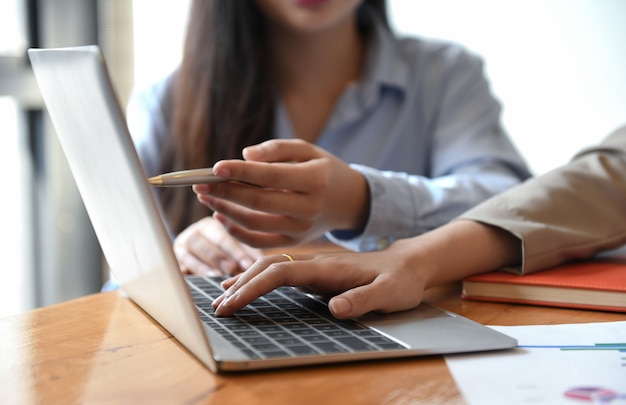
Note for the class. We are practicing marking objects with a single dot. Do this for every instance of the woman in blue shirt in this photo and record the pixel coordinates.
(386, 137)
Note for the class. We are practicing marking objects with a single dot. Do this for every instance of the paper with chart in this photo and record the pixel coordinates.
(553, 364)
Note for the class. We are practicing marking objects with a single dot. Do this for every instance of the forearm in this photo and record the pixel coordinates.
(459, 249)
(404, 205)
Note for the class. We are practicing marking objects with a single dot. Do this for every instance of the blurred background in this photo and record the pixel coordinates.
(557, 66)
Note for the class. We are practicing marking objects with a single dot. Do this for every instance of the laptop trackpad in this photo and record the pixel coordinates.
(433, 330)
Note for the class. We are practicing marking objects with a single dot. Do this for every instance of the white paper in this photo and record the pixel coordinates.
(552, 364)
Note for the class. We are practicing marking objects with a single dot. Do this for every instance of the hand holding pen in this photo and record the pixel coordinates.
(285, 192)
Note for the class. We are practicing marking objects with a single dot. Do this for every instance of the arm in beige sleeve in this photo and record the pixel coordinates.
(569, 213)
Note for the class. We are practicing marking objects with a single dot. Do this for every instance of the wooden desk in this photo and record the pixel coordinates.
(104, 349)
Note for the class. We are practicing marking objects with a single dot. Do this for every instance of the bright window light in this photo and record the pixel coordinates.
(13, 209)
(159, 30)
(12, 35)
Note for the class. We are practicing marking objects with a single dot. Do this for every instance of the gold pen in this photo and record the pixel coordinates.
(185, 178)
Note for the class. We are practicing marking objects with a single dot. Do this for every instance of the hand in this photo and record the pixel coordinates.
(393, 279)
(273, 203)
(360, 282)
(205, 248)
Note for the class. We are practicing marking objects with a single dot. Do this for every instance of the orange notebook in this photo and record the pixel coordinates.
(597, 285)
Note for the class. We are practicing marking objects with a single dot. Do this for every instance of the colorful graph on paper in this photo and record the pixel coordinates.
(590, 393)
(553, 364)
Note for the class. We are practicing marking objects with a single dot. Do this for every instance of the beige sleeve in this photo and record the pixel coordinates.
(569, 213)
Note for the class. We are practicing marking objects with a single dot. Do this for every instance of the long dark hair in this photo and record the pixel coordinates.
(222, 97)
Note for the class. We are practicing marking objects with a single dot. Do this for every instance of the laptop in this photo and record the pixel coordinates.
(287, 327)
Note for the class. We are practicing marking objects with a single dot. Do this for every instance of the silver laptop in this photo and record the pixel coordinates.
(285, 328)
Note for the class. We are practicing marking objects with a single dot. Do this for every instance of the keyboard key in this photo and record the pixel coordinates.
(289, 341)
(330, 347)
(276, 353)
(355, 344)
(302, 349)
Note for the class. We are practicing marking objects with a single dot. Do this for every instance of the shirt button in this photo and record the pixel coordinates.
(382, 243)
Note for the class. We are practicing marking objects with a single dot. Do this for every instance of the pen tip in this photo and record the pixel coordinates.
(155, 181)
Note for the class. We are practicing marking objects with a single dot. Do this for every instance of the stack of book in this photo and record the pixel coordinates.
(598, 285)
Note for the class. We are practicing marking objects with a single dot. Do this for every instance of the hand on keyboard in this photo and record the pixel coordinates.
(359, 282)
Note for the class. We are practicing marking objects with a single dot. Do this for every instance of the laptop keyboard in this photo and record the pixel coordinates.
(285, 323)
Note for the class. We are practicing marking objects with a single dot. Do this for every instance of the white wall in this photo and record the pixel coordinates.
(558, 66)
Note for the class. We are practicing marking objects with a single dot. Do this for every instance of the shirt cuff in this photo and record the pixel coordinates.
(391, 214)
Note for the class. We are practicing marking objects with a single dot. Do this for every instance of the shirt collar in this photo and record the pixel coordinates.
(385, 67)
(384, 64)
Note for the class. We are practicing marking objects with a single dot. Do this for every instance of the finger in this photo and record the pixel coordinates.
(225, 285)
(208, 243)
(240, 200)
(233, 250)
(282, 150)
(273, 175)
(245, 202)
(200, 188)
(254, 238)
(230, 281)
(383, 294)
(231, 284)
(263, 221)
(190, 249)
(212, 254)
(353, 303)
(191, 265)
(258, 268)
(264, 276)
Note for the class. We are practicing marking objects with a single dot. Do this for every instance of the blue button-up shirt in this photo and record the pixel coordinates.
(421, 125)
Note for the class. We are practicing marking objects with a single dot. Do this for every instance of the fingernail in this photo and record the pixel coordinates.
(196, 188)
(216, 301)
(250, 149)
(227, 266)
(230, 292)
(220, 218)
(340, 306)
(221, 172)
(245, 263)
(229, 300)
(206, 199)
(225, 305)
